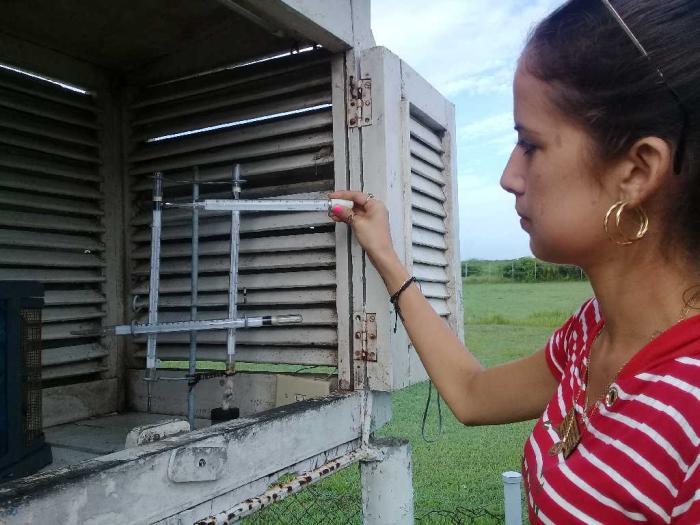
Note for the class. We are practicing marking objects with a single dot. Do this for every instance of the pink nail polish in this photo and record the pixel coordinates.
(337, 210)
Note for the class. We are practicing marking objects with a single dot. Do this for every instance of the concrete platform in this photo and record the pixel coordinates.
(75, 442)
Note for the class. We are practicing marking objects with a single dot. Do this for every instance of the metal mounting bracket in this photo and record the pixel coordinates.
(196, 464)
(359, 102)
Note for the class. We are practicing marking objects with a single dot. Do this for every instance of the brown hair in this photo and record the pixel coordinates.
(603, 81)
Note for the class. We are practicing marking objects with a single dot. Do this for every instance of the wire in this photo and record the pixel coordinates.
(425, 415)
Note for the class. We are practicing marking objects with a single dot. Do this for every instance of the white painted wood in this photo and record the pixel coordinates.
(456, 304)
(51, 186)
(197, 85)
(280, 440)
(292, 124)
(314, 141)
(292, 296)
(426, 135)
(72, 354)
(408, 151)
(74, 370)
(63, 404)
(57, 314)
(329, 23)
(18, 219)
(51, 64)
(287, 354)
(33, 163)
(254, 246)
(232, 115)
(275, 88)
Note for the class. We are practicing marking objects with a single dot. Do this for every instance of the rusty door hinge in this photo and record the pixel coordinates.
(359, 102)
(365, 347)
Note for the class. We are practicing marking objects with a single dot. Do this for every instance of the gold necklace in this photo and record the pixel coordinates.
(568, 430)
(569, 433)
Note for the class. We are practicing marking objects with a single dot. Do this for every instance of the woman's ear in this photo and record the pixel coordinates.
(645, 168)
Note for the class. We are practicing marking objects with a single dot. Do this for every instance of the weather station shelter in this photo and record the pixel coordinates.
(97, 100)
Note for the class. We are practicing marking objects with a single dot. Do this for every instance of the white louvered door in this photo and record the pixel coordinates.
(52, 216)
(408, 160)
(275, 119)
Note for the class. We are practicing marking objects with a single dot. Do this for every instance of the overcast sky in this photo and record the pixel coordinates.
(468, 50)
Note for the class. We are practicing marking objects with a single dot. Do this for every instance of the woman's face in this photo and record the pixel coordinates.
(560, 201)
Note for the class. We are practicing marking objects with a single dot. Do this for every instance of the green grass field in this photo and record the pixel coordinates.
(503, 321)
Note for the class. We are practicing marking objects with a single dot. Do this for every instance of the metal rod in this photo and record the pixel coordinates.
(192, 369)
(237, 205)
(279, 492)
(154, 281)
(233, 278)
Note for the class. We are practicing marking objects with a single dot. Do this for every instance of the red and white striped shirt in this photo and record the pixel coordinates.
(638, 459)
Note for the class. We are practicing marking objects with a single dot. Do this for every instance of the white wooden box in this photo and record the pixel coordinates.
(75, 183)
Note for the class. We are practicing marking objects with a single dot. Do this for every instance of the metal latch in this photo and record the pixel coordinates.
(359, 102)
(365, 347)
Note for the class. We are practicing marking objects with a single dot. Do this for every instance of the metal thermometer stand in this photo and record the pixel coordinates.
(232, 323)
(233, 279)
(154, 285)
(192, 378)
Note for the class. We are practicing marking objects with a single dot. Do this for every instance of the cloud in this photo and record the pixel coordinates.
(460, 46)
(489, 226)
(487, 128)
(468, 50)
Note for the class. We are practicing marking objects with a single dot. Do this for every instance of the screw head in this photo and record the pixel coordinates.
(353, 121)
(358, 335)
(202, 462)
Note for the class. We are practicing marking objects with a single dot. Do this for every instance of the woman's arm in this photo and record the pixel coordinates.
(514, 391)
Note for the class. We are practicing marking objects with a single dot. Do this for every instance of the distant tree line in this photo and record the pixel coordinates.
(523, 270)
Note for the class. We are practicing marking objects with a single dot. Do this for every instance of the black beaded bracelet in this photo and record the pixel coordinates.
(394, 299)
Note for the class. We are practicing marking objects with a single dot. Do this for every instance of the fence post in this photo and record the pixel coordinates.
(387, 485)
(513, 505)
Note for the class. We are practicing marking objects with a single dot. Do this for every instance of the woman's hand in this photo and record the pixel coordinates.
(369, 220)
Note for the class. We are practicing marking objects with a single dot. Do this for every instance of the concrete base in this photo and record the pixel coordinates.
(387, 485)
(72, 443)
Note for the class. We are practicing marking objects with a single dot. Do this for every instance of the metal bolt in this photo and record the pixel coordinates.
(368, 102)
(352, 103)
(358, 335)
(368, 85)
(202, 462)
(366, 119)
(353, 121)
(371, 318)
(372, 336)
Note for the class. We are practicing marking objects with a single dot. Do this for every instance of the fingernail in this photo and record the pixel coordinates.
(337, 210)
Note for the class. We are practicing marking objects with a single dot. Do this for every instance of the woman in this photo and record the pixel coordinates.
(606, 175)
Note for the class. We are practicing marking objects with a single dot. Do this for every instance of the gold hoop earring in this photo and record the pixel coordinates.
(618, 208)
